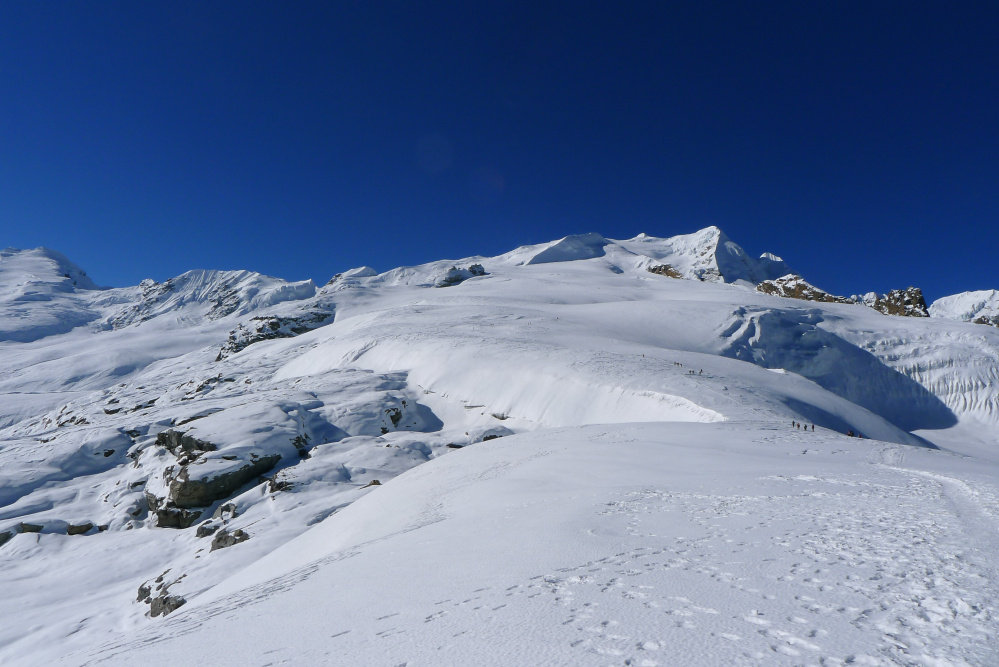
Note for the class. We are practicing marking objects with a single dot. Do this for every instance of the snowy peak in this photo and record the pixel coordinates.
(573, 247)
(39, 270)
(209, 295)
(980, 307)
(708, 255)
(41, 293)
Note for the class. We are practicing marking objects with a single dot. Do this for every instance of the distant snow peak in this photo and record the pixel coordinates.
(576, 246)
(43, 265)
(980, 307)
(211, 295)
(707, 255)
(42, 293)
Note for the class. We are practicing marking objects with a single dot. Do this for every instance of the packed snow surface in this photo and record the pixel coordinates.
(559, 455)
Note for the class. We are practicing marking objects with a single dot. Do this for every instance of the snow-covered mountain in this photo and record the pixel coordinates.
(577, 452)
(981, 307)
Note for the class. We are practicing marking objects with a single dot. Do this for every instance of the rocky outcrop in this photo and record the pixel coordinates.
(271, 327)
(908, 303)
(163, 603)
(793, 286)
(992, 321)
(29, 528)
(152, 293)
(168, 515)
(455, 275)
(5, 536)
(207, 528)
(664, 270)
(79, 529)
(186, 492)
(224, 539)
(179, 444)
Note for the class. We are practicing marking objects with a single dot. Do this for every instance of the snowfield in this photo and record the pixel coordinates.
(576, 453)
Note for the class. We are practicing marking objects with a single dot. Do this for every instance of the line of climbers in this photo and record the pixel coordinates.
(795, 424)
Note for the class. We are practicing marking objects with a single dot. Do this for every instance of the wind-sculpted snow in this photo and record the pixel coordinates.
(956, 361)
(968, 384)
(792, 340)
(185, 430)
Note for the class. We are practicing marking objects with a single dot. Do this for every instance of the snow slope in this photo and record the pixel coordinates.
(628, 545)
(553, 456)
(967, 306)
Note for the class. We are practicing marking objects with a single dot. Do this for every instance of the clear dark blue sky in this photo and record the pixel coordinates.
(860, 141)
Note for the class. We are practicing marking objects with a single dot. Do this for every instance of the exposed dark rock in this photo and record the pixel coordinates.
(908, 302)
(664, 270)
(492, 436)
(108, 452)
(177, 442)
(168, 515)
(207, 528)
(301, 444)
(275, 485)
(793, 286)
(373, 482)
(164, 604)
(452, 445)
(5, 536)
(79, 529)
(29, 528)
(225, 511)
(992, 321)
(456, 275)
(144, 592)
(394, 414)
(225, 539)
(142, 406)
(186, 492)
(270, 327)
(152, 293)
(188, 420)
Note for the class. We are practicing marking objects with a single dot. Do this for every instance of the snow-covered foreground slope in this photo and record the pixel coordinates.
(578, 419)
(636, 544)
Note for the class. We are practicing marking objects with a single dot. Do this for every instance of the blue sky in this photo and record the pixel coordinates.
(860, 141)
